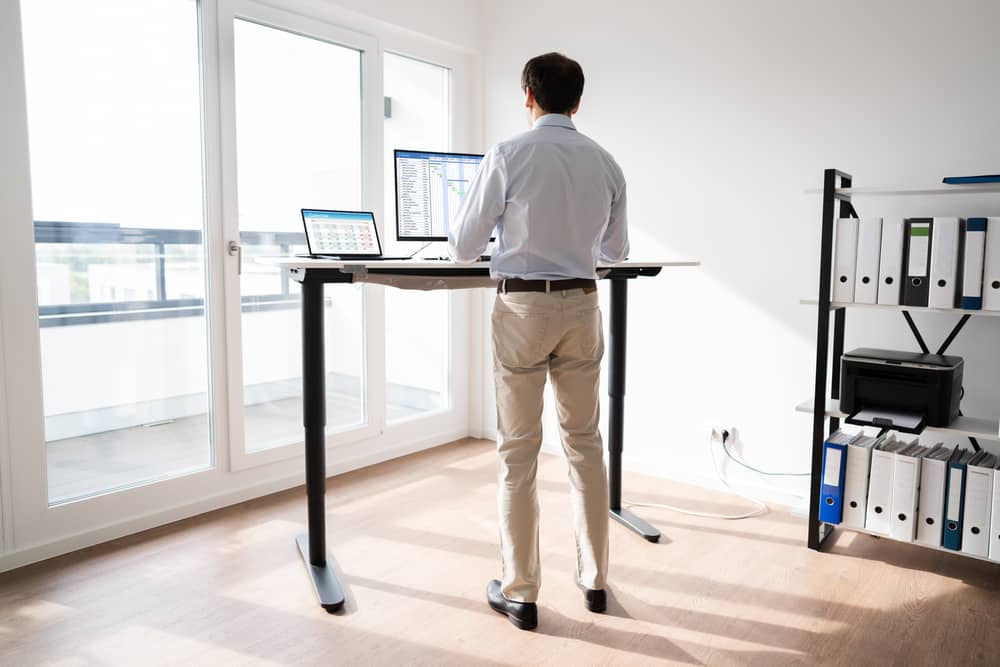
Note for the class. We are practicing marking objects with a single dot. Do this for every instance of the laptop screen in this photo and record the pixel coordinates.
(341, 233)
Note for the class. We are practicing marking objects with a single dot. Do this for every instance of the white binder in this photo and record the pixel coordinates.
(991, 277)
(995, 522)
(890, 263)
(855, 496)
(944, 263)
(845, 259)
(905, 493)
(930, 511)
(869, 248)
(880, 488)
(978, 505)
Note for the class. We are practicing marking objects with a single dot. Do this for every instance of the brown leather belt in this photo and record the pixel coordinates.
(519, 285)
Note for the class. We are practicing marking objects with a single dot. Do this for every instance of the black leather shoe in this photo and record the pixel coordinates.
(596, 601)
(524, 615)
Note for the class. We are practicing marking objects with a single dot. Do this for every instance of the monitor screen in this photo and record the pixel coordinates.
(341, 232)
(430, 188)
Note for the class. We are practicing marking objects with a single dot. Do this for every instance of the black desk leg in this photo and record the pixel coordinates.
(313, 546)
(616, 416)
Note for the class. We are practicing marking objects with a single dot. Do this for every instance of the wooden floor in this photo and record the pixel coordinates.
(416, 541)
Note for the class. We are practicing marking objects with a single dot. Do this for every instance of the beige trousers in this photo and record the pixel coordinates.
(559, 335)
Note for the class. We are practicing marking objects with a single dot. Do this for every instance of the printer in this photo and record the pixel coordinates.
(902, 391)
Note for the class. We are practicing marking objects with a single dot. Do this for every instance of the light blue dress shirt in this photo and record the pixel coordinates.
(556, 199)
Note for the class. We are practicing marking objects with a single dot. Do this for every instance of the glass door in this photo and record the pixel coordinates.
(297, 137)
(114, 119)
(418, 325)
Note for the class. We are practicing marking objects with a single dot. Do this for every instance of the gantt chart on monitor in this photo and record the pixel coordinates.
(430, 188)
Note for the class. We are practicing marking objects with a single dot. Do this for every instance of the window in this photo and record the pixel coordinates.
(418, 350)
(298, 135)
(115, 133)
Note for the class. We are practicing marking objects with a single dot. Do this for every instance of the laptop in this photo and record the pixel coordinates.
(342, 235)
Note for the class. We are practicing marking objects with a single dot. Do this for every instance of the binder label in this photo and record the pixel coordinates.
(831, 475)
(920, 236)
(975, 246)
(955, 494)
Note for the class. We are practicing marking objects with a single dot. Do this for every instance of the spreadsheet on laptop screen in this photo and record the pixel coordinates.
(341, 232)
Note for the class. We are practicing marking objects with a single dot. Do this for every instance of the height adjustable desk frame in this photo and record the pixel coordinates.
(312, 545)
(837, 188)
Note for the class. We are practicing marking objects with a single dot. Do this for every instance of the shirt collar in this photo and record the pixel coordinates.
(555, 120)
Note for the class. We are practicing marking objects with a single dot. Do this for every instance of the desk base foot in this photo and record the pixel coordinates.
(328, 590)
(635, 524)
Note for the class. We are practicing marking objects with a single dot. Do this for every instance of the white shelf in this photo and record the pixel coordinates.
(916, 309)
(969, 427)
(941, 189)
(918, 544)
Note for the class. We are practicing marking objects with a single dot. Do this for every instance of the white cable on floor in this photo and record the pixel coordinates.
(760, 510)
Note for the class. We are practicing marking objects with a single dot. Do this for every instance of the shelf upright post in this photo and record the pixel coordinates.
(839, 315)
(830, 195)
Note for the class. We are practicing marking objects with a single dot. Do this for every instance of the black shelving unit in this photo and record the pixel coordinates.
(837, 186)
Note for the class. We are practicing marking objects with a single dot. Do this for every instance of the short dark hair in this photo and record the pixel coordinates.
(555, 80)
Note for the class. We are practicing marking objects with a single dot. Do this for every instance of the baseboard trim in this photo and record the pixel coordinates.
(691, 475)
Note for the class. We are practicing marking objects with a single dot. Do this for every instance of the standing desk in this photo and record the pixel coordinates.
(313, 274)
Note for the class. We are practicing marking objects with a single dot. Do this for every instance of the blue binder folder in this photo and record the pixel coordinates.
(954, 500)
(831, 506)
(973, 262)
(967, 180)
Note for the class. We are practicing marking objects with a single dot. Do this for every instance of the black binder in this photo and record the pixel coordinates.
(917, 240)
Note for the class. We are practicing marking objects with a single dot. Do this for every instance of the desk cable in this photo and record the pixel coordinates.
(420, 249)
(760, 508)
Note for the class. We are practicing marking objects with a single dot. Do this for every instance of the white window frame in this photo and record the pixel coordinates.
(31, 528)
(371, 140)
(464, 386)
(14, 184)
(6, 526)
(321, 20)
(33, 521)
(389, 225)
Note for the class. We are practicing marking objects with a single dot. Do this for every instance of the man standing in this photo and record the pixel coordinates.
(557, 201)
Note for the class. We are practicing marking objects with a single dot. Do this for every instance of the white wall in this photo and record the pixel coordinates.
(452, 21)
(722, 114)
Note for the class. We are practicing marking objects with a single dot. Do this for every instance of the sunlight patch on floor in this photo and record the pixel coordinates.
(122, 646)
(43, 610)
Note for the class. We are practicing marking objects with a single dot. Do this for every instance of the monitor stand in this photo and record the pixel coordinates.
(438, 250)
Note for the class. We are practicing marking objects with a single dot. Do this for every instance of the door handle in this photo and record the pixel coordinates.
(235, 249)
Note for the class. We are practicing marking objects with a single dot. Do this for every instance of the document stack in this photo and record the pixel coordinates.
(880, 485)
(934, 262)
(939, 496)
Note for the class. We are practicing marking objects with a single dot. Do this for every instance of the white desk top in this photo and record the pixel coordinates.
(291, 262)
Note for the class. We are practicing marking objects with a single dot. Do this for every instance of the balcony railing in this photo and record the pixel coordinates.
(159, 307)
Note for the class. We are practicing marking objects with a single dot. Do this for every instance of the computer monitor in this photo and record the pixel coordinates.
(430, 187)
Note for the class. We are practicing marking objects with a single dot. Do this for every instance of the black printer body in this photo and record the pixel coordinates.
(929, 385)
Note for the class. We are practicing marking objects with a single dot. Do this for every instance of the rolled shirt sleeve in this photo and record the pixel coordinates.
(482, 207)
